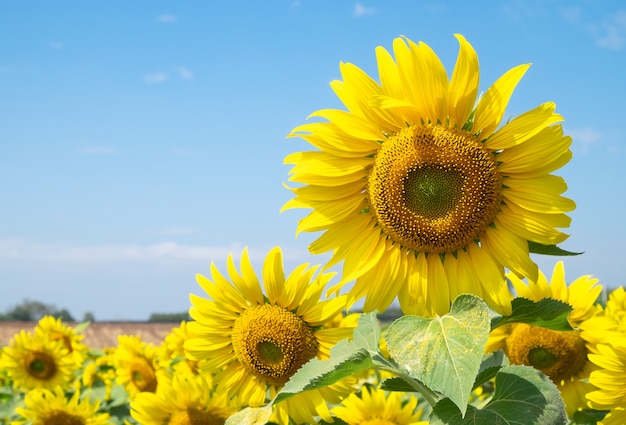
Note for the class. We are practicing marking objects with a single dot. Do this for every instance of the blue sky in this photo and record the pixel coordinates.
(139, 141)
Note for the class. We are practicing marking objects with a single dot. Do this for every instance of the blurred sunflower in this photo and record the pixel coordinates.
(610, 378)
(33, 361)
(561, 355)
(185, 400)
(173, 352)
(46, 407)
(255, 341)
(418, 189)
(54, 329)
(375, 406)
(136, 365)
(99, 368)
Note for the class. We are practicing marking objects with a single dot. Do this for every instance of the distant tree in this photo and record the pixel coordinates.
(89, 317)
(168, 317)
(33, 311)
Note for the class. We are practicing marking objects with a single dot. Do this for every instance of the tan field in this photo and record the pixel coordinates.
(99, 335)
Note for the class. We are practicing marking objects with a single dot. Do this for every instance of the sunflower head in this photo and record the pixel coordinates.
(417, 182)
(136, 364)
(255, 337)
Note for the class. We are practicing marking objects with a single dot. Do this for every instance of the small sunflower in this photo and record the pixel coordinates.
(560, 355)
(418, 189)
(255, 341)
(610, 378)
(33, 361)
(100, 369)
(46, 407)
(374, 406)
(54, 329)
(185, 400)
(173, 351)
(136, 365)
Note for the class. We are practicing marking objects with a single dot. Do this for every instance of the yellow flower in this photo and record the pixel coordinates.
(173, 351)
(560, 355)
(185, 400)
(419, 190)
(376, 407)
(54, 329)
(610, 378)
(100, 368)
(45, 407)
(136, 365)
(32, 361)
(615, 417)
(255, 340)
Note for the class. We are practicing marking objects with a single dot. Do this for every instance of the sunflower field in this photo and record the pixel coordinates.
(423, 194)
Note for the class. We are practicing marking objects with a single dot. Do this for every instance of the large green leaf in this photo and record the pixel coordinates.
(523, 396)
(547, 313)
(347, 358)
(444, 353)
(489, 367)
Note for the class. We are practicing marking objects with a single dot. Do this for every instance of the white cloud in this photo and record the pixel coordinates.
(167, 19)
(185, 73)
(155, 78)
(27, 250)
(585, 139)
(98, 150)
(56, 45)
(611, 32)
(361, 10)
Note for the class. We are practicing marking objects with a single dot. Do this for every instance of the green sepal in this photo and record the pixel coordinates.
(547, 313)
(537, 248)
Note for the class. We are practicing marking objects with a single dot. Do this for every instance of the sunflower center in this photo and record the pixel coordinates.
(434, 189)
(560, 355)
(142, 375)
(40, 365)
(63, 418)
(273, 343)
(195, 417)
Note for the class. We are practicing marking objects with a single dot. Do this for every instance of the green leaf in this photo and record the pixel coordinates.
(251, 416)
(588, 417)
(347, 358)
(547, 313)
(445, 352)
(489, 367)
(523, 396)
(537, 248)
(396, 384)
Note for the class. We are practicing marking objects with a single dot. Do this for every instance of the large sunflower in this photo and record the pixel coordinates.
(33, 361)
(256, 340)
(419, 190)
(46, 407)
(561, 355)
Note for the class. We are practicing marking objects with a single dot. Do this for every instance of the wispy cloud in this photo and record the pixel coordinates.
(610, 33)
(155, 78)
(570, 14)
(98, 150)
(56, 45)
(361, 10)
(585, 139)
(185, 73)
(167, 19)
(22, 249)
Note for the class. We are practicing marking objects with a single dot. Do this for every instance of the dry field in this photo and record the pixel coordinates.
(99, 335)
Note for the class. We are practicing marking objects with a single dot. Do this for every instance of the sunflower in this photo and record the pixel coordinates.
(136, 365)
(255, 342)
(173, 351)
(418, 189)
(46, 407)
(185, 400)
(54, 329)
(610, 378)
(33, 361)
(100, 369)
(375, 406)
(561, 355)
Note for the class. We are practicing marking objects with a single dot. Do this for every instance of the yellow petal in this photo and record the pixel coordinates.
(491, 106)
(463, 84)
(274, 276)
